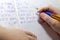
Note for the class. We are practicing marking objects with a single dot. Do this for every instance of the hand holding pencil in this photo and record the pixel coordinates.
(51, 16)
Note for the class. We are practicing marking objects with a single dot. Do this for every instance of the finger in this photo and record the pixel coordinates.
(52, 9)
(50, 31)
(40, 20)
(48, 19)
(42, 8)
(31, 38)
(30, 34)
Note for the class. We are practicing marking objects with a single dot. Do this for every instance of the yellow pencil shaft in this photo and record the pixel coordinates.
(55, 16)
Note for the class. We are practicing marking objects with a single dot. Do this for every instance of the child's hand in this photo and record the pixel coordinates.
(47, 20)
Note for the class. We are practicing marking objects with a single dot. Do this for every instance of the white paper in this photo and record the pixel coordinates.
(27, 17)
(7, 13)
(22, 14)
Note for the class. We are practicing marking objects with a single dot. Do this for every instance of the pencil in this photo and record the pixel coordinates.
(53, 15)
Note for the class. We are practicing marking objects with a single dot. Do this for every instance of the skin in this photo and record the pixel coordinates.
(48, 21)
(15, 34)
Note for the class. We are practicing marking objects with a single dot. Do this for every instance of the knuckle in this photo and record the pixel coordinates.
(54, 23)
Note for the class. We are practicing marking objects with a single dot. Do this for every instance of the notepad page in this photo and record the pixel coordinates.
(7, 13)
(28, 19)
(22, 14)
(26, 12)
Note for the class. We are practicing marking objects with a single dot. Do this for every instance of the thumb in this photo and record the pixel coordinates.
(48, 19)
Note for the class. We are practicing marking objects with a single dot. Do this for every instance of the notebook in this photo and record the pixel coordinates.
(22, 14)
